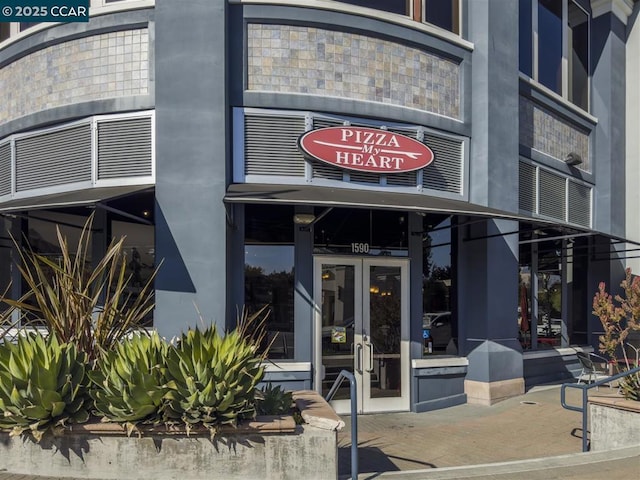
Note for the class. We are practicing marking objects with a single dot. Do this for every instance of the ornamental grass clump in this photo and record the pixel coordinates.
(618, 321)
(43, 385)
(129, 383)
(91, 307)
(10, 323)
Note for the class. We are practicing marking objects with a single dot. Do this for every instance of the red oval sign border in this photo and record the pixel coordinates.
(370, 141)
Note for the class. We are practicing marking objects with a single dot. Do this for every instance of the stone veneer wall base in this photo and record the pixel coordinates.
(488, 393)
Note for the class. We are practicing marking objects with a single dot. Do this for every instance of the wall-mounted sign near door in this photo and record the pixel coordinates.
(365, 149)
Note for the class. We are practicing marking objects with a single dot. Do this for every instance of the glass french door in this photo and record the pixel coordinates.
(361, 325)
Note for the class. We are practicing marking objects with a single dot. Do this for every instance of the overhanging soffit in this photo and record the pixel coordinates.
(346, 197)
(90, 196)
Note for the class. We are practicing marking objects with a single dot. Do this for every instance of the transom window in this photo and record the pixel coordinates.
(554, 46)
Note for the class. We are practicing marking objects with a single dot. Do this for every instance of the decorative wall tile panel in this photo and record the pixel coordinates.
(548, 132)
(295, 59)
(103, 66)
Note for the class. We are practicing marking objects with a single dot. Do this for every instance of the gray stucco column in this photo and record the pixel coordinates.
(608, 105)
(303, 291)
(487, 306)
(192, 159)
(488, 267)
(608, 36)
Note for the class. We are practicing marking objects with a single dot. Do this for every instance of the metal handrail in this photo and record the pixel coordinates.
(354, 415)
(585, 389)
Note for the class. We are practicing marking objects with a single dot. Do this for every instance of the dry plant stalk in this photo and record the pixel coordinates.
(87, 306)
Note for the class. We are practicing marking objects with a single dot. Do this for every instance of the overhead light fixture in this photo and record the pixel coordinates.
(303, 218)
(573, 159)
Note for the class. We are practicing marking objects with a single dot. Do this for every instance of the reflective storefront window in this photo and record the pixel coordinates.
(524, 296)
(549, 277)
(139, 255)
(552, 293)
(42, 233)
(269, 273)
(42, 227)
(439, 325)
(132, 217)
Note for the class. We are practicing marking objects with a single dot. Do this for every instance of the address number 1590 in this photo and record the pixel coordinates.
(359, 248)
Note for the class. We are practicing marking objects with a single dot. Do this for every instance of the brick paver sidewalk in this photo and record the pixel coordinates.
(529, 426)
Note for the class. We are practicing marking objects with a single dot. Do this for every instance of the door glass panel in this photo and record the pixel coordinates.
(383, 347)
(338, 315)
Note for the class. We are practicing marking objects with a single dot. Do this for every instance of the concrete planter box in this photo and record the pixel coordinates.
(268, 448)
(615, 423)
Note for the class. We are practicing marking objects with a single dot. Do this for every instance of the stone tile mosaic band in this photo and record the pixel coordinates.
(548, 133)
(294, 59)
(93, 68)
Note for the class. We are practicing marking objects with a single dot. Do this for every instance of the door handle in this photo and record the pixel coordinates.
(370, 366)
(359, 358)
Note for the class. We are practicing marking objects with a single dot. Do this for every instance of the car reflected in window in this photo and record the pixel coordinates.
(438, 327)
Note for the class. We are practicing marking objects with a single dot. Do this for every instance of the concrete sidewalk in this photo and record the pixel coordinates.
(623, 464)
(530, 426)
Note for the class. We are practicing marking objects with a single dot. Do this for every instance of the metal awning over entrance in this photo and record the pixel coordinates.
(347, 197)
(89, 196)
(356, 198)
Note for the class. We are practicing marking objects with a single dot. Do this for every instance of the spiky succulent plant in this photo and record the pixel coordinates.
(272, 400)
(128, 383)
(43, 385)
(212, 378)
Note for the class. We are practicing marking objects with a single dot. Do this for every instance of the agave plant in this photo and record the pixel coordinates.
(89, 307)
(128, 383)
(272, 400)
(43, 385)
(212, 378)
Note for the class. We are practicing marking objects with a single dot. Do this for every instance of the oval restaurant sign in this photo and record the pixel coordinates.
(366, 149)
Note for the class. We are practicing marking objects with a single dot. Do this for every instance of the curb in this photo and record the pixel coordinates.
(502, 468)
